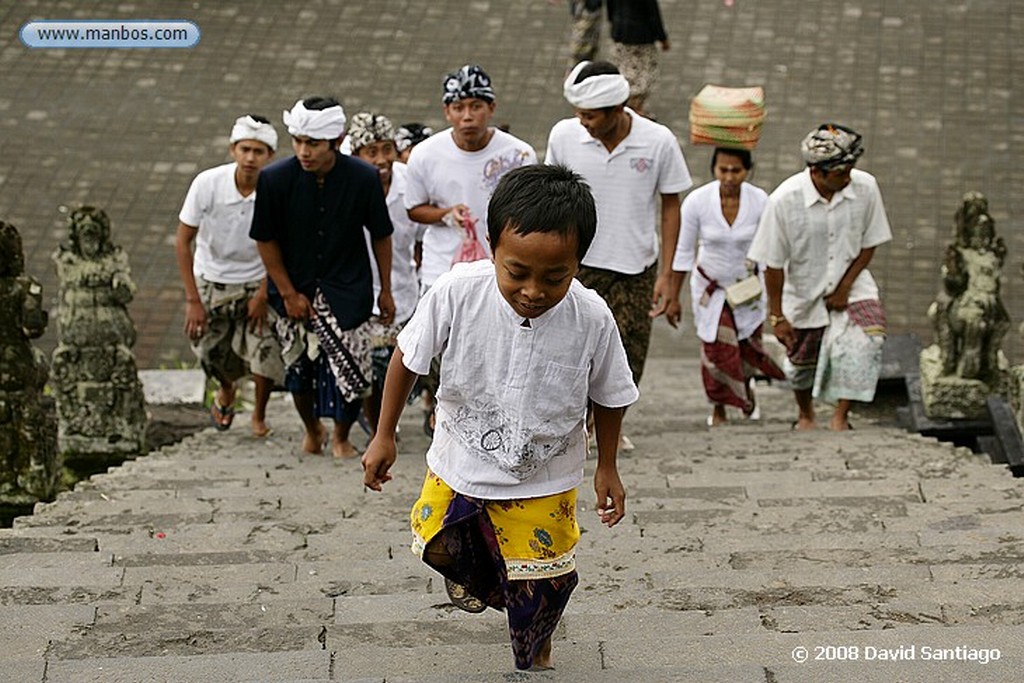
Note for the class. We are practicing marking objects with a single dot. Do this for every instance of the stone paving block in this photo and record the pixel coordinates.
(25, 670)
(952, 490)
(724, 543)
(236, 666)
(715, 478)
(799, 491)
(52, 560)
(898, 577)
(21, 541)
(217, 583)
(27, 630)
(575, 660)
(66, 595)
(51, 577)
(188, 640)
(214, 616)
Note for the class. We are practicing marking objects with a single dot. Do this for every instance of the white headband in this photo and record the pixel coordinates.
(325, 124)
(595, 92)
(248, 128)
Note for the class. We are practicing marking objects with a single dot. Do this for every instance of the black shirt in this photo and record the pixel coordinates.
(320, 231)
(635, 22)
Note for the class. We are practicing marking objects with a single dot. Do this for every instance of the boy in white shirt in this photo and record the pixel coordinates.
(525, 347)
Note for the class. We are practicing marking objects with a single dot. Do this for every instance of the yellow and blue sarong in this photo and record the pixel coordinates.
(517, 555)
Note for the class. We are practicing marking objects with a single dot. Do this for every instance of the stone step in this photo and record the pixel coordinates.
(283, 666)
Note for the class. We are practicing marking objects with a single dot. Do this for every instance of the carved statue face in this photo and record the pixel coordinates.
(982, 232)
(90, 232)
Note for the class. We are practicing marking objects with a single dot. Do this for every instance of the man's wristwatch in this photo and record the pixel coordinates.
(774, 320)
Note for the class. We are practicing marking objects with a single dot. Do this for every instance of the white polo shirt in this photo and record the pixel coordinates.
(224, 251)
(512, 402)
(626, 184)
(815, 241)
(442, 174)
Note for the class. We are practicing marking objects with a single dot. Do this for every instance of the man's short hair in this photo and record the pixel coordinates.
(599, 68)
(541, 198)
(318, 103)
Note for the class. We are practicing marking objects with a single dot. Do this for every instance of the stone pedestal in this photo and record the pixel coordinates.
(950, 397)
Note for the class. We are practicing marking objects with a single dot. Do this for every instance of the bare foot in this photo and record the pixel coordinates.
(542, 662)
(839, 424)
(717, 416)
(805, 424)
(260, 428)
(344, 450)
(314, 443)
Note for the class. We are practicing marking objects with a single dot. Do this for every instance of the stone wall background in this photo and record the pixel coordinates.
(932, 86)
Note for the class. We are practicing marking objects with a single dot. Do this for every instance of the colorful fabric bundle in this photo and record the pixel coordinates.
(727, 117)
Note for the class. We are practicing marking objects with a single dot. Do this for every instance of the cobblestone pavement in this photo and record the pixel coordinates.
(934, 87)
(745, 548)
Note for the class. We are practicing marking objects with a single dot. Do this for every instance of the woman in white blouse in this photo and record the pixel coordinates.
(722, 217)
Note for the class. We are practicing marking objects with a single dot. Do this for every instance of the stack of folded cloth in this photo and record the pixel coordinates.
(727, 117)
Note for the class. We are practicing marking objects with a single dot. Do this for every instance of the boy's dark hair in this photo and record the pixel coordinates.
(258, 118)
(540, 198)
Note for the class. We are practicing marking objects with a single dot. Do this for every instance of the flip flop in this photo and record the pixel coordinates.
(461, 598)
(218, 415)
(262, 434)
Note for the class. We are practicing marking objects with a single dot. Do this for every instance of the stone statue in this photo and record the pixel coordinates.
(968, 316)
(29, 461)
(99, 395)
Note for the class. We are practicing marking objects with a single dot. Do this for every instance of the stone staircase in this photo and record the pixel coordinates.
(226, 558)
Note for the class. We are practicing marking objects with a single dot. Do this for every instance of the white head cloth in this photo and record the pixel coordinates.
(326, 124)
(248, 128)
(595, 92)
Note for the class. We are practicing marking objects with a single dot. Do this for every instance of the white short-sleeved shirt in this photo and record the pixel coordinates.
(815, 241)
(442, 174)
(626, 183)
(512, 402)
(721, 255)
(224, 251)
(405, 282)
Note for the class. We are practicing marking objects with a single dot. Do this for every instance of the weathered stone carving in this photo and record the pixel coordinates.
(965, 364)
(29, 461)
(99, 396)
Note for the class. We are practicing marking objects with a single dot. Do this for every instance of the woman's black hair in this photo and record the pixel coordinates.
(742, 154)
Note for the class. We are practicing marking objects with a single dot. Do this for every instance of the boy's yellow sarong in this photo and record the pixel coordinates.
(537, 536)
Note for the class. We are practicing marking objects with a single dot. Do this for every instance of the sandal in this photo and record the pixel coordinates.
(221, 416)
(461, 598)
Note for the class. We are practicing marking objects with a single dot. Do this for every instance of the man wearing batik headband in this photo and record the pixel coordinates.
(632, 164)
(817, 236)
(452, 175)
(226, 315)
(310, 213)
(372, 139)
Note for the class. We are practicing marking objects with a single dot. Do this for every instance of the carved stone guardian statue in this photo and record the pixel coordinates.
(29, 462)
(965, 364)
(99, 396)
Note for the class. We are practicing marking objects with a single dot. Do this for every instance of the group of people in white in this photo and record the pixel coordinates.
(331, 273)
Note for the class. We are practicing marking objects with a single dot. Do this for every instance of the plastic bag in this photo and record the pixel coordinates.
(470, 249)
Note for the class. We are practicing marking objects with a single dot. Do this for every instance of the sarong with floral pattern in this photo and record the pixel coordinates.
(515, 555)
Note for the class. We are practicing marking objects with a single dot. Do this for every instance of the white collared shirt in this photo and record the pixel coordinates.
(626, 184)
(814, 241)
(512, 402)
(224, 251)
(722, 255)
